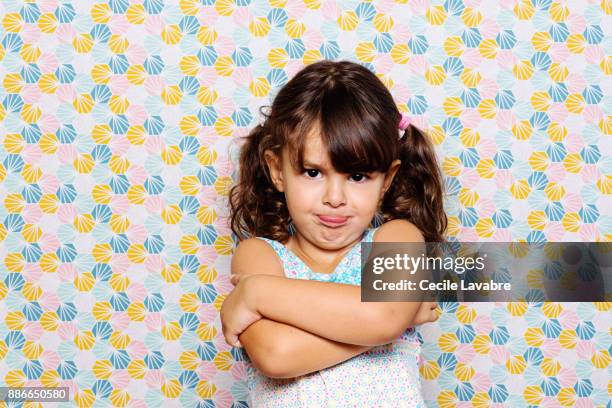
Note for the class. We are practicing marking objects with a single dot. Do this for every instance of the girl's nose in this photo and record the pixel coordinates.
(334, 193)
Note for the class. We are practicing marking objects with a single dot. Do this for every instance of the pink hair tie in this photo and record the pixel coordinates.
(404, 122)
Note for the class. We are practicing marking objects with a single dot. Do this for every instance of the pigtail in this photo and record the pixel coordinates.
(416, 193)
(257, 207)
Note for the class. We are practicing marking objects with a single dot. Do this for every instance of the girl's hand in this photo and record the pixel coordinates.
(235, 278)
(238, 310)
(427, 313)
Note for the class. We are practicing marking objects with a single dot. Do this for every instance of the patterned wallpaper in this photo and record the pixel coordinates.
(117, 122)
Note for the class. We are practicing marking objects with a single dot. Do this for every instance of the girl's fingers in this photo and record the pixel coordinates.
(232, 341)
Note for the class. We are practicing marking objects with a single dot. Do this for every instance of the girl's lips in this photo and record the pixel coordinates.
(333, 221)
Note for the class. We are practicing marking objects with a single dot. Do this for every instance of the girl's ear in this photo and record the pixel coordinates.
(274, 169)
(389, 176)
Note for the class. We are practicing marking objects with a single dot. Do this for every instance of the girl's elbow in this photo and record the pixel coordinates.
(278, 373)
(276, 367)
(390, 326)
(273, 362)
(388, 333)
(266, 364)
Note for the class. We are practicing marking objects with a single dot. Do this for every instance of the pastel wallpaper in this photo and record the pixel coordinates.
(117, 126)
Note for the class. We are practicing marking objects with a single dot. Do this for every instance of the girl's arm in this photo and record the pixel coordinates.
(333, 310)
(279, 350)
(330, 310)
(282, 351)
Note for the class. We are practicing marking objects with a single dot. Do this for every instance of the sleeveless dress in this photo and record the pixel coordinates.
(384, 376)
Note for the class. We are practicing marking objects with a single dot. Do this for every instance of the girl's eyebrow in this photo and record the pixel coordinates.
(309, 164)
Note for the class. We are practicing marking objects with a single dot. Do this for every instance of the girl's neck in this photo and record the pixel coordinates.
(316, 258)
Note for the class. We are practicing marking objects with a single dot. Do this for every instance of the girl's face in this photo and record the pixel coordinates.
(329, 209)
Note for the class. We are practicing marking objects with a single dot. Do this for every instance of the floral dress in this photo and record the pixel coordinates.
(384, 376)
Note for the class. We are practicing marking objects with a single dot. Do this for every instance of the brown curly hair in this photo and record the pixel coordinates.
(358, 121)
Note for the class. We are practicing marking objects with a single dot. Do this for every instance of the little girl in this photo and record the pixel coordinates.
(333, 157)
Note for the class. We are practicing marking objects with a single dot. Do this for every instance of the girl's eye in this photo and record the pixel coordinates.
(359, 177)
(312, 172)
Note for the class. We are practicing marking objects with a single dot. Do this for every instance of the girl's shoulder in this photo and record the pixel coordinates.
(256, 254)
(399, 230)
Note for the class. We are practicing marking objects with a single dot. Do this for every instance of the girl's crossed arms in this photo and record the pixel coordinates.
(291, 327)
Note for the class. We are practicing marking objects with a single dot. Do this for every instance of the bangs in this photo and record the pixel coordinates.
(355, 136)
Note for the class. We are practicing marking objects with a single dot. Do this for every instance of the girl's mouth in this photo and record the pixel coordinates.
(332, 221)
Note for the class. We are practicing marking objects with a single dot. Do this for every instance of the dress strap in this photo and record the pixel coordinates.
(369, 236)
(277, 246)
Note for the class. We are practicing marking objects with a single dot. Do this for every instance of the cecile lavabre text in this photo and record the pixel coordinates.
(411, 264)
